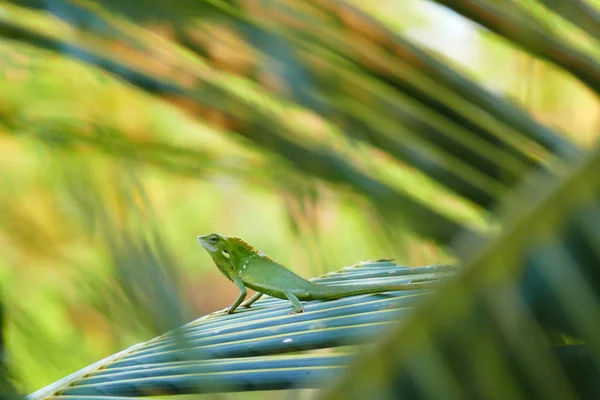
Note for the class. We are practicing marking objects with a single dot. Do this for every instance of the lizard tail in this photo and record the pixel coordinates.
(327, 292)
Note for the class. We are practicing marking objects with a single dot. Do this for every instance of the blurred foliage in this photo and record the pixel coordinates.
(324, 132)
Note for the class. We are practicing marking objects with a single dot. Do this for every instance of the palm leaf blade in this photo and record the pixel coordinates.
(226, 352)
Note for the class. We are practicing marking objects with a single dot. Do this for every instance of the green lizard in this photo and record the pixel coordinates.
(247, 267)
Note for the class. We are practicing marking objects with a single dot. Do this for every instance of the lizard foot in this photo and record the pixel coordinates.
(296, 311)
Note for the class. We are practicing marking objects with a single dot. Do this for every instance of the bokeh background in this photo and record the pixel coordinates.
(104, 187)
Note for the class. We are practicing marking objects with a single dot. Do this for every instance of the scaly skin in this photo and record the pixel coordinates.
(247, 267)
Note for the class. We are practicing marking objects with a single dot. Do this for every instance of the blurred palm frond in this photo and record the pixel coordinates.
(528, 299)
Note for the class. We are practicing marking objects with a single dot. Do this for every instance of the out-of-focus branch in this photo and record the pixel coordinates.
(411, 54)
(259, 127)
(510, 21)
(578, 12)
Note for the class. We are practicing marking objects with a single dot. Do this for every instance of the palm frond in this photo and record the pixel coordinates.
(578, 12)
(262, 127)
(514, 23)
(385, 110)
(229, 352)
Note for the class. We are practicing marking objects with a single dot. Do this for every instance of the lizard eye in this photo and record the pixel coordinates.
(213, 239)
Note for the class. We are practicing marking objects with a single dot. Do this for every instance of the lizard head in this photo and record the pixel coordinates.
(217, 245)
(223, 249)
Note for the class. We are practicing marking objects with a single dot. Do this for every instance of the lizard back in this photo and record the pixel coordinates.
(267, 276)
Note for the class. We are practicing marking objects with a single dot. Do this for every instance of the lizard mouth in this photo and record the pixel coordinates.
(206, 245)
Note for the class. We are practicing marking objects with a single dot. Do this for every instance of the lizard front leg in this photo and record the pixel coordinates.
(241, 297)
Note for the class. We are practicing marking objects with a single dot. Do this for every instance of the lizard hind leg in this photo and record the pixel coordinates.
(298, 307)
(252, 299)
